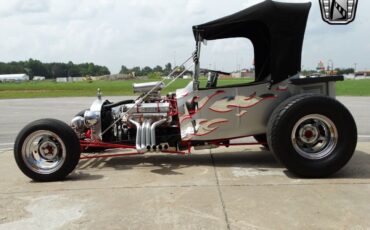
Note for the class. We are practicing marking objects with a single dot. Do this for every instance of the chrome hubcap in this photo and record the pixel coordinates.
(43, 152)
(314, 136)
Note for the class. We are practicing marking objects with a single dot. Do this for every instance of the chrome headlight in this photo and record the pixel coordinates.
(91, 118)
(78, 123)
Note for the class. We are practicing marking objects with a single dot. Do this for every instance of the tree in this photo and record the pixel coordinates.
(136, 71)
(73, 70)
(167, 68)
(146, 70)
(124, 70)
(53, 70)
(158, 68)
(57, 70)
(345, 70)
(36, 67)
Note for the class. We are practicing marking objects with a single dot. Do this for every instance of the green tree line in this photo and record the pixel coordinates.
(147, 71)
(53, 70)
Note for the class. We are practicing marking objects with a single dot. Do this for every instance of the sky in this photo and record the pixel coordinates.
(155, 32)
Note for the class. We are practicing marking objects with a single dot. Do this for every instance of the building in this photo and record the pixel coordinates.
(320, 66)
(243, 73)
(362, 73)
(38, 78)
(69, 79)
(14, 77)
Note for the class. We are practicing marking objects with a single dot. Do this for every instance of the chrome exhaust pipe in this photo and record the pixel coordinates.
(138, 135)
(143, 134)
(148, 133)
(152, 130)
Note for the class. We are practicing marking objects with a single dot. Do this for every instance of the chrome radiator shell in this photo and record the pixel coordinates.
(147, 86)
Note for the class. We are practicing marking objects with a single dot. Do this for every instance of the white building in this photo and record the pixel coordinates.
(14, 77)
(69, 79)
(62, 79)
(38, 78)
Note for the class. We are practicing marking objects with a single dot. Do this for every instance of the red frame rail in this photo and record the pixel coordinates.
(94, 144)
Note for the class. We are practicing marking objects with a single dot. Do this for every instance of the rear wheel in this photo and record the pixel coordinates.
(47, 150)
(312, 135)
(262, 138)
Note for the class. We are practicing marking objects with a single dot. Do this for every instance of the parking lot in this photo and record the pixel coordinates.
(224, 188)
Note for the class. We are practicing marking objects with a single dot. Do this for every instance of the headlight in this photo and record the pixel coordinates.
(91, 118)
(78, 123)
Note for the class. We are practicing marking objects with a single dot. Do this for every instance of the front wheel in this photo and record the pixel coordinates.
(312, 135)
(47, 150)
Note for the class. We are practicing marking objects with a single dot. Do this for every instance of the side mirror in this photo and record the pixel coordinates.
(212, 80)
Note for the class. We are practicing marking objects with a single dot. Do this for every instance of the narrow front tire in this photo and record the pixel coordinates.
(47, 150)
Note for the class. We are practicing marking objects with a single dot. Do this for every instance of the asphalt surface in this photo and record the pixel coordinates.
(16, 113)
(223, 188)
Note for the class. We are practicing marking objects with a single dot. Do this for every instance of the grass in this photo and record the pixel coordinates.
(111, 88)
(353, 88)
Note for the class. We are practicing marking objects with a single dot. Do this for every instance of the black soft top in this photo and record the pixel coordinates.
(276, 31)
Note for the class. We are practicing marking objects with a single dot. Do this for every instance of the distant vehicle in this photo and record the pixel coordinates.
(298, 119)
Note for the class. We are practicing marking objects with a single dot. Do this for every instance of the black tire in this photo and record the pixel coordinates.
(262, 138)
(286, 117)
(67, 137)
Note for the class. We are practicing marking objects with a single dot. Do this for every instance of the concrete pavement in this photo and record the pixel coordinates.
(235, 188)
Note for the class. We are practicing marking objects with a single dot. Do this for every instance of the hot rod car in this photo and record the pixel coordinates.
(297, 118)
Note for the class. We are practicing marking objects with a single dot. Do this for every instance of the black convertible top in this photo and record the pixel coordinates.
(276, 31)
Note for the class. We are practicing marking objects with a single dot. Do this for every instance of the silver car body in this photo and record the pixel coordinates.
(236, 111)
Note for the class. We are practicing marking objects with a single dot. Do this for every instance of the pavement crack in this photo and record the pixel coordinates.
(220, 192)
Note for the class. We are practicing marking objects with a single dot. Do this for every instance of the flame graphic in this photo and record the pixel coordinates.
(204, 100)
(227, 104)
(241, 113)
(203, 127)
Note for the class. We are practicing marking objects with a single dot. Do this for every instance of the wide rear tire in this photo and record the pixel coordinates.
(47, 150)
(312, 135)
(262, 138)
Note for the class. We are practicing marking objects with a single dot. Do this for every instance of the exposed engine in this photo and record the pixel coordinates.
(134, 122)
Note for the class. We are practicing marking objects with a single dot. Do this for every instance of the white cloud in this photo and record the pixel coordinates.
(143, 32)
(33, 6)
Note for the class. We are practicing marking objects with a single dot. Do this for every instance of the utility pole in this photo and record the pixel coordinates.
(332, 66)
(174, 59)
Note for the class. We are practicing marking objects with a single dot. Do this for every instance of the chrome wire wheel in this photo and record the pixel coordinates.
(43, 152)
(314, 136)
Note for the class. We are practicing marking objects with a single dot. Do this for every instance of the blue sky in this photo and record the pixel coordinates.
(151, 32)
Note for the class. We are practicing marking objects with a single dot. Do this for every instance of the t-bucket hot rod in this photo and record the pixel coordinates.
(297, 119)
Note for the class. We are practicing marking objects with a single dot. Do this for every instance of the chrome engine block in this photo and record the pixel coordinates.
(136, 121)
(146, 117)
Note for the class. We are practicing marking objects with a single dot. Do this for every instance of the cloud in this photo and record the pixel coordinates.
(143, 32)
(33, 6)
